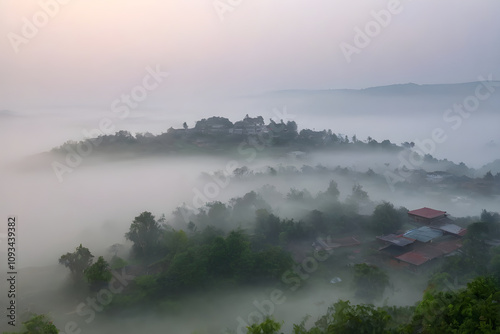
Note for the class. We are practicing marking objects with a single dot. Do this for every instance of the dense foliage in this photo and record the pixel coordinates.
(144, 233)
(37, 324)
(99, 272)
(477, 257)
(475, 309)
(77, 261)
(192, 262)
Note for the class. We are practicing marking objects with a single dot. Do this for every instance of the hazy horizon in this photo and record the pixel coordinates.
(214, 53)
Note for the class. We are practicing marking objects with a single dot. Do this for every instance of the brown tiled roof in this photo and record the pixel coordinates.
(413, 258)
(426, 252)
(427, 213)
(448, 246)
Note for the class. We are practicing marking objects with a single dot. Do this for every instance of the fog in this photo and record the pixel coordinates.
(380, 112)
(96, 202)
(75, 72)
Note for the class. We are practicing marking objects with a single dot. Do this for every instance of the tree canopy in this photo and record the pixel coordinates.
(77, 261)
(385, 218)
(37, 324)
(100, 271)
(145, 233)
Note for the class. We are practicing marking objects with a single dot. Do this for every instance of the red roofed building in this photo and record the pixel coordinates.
(436, 237)
(426, 215)
(448, 247)
(423, 253)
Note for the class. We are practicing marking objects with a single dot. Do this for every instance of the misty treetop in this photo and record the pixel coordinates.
(37, 324)
(82, 268)
(77, 262)
(98, 272)
(144, 232)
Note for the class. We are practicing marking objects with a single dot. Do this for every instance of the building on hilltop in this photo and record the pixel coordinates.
(213, 125)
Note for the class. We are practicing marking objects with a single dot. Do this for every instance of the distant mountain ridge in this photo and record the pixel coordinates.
(406, 88)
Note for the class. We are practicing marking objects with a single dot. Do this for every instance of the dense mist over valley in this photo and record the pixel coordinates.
(95, 203)
(232, 167)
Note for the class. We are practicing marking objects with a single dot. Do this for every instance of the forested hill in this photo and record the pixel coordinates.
(219, 133)
(219, 136)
